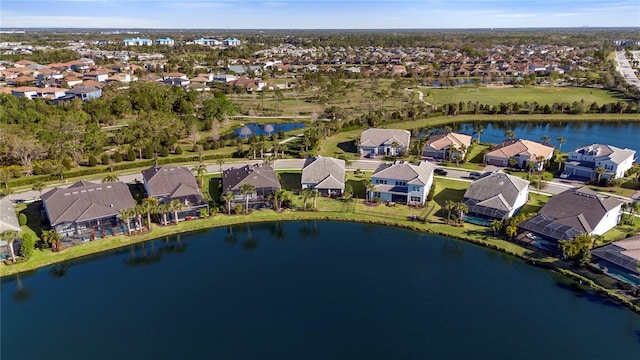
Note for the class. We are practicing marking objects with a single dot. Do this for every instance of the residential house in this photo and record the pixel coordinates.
(583, 161)
(324, 174)
(575, 211)
(137, 42)
(384, 141)
(168, 183)
(85, 208)
(203, 41)
(402, 182)
(85, 93)
(262, 177)
(496, 195)
(165, 41)
(522, 151)
(225, 78)
(28, 92)
(8, 221)
(231, 42)
(622, 256)
(446, 146)
(99, 75)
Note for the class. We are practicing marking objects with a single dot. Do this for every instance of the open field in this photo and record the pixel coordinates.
(539, 94)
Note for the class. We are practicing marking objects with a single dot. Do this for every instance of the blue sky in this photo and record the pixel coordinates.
(307, 14)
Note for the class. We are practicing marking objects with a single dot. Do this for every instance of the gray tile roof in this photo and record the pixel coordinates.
(260, 176)
(8, 217)
(615, 154)
(404, 171)
(571, 212)
(85, 201)
(324, 172)
(162, 181)
(379, 137)
(496, 190)
(624, 253)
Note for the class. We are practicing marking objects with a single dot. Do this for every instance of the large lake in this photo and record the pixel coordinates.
(619, 134)
(308, 290)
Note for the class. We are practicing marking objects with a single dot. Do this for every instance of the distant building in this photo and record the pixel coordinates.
(445, 146)
(390, 142)
(137, 42)
(85, 93)
(231, 42)
(203, 41)
(165, 41)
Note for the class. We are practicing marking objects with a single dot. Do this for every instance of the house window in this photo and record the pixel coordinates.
(416, 199)
(401, 183)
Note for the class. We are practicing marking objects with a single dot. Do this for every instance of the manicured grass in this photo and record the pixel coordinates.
(541, 95)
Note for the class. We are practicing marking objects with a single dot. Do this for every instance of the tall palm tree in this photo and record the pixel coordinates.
(38, 186)
(314, 194)
(478, 130)
(220, 162)
(246, 189)
(449, 206)
(9, 236)
(306, 194)
(545, 139)
(228, 197)
(200, 171)
(281, 196)
(138, 210)
(561, 141)
(175, 206)
(371, 188)
(163, 209)
(277, 147)
(510, 134)
(150, 205)
(110, 178)
(511, 231)
(600, 171)
(540, 161)
(126, 215)
(496, 226)
(462, 209)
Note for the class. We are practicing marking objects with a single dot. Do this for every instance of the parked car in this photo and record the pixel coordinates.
(474, 175)
(440, 172)
(564, 175)
(370, 155)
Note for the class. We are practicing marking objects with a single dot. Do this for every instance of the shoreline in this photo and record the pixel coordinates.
(48, 258)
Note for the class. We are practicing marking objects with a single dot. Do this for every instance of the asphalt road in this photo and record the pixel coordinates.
(626, 70)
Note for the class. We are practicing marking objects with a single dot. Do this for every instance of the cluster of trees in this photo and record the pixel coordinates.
(41, 138)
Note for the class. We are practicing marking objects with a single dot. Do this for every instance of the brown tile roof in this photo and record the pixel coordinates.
(445, 141)
(514, 147)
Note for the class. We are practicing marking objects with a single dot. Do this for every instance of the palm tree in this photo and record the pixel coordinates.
(126, 215)
(370, 189)
(306, 194)
(561, 141)
(51, 237)
(513, 162)
(163, 209)
(246, 189)
(281, 195)
(314, 194)
(9, 236)
(634, 209)
(394, 145)
(478, 130)
(150, 205)
(496, 226)
(227, 197)
(200, 171)
(461, 208)
(511, 231)
(510, 134)
(277, 147)
(138, 210)
(540, 160)
(600, 171)
(110, 178)
(220, 162)
(449, 206)
(545, 139)
(175, 206)
(38, 186)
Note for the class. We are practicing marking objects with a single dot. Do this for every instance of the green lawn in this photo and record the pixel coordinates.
(539, 94)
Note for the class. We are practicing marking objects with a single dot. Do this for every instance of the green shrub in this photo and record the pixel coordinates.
(104, 159)
(432, 192)
(93, 162)
(66, 162)
(178, 150)
(117, 157)
(131, 155)
(238, 209)
(164, 152)
(22, 219)
(27, 245)
(148, 152)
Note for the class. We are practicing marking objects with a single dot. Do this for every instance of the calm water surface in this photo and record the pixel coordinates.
(576, 134)
(308, 290)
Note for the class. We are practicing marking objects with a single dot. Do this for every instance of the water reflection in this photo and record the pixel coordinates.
(22, 294)
(150, 252)
(309, 229)
(58, 271)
